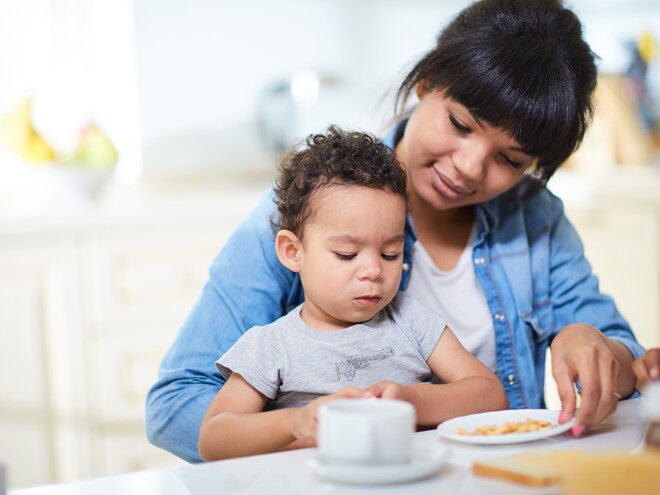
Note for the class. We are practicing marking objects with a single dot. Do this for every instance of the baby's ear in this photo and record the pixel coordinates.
(288, 248)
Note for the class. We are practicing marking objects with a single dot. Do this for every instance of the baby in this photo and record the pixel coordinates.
(341, 200)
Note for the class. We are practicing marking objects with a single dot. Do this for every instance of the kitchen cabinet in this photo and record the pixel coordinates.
(89, 303)
(622, 242)
(618, 218)
(39, 304)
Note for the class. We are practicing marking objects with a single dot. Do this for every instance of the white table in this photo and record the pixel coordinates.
(288, 472)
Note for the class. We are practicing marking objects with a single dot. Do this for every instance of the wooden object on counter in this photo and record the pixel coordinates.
(578, 473)
(633, 142)
(617, 135)
(614, 474)
(536, 467)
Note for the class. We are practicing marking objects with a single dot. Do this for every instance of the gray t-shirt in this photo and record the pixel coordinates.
(292, 364)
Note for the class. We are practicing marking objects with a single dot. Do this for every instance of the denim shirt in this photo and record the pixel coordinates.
(527, 257)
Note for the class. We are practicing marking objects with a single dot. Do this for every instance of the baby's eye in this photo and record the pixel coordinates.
(390, 257)
(345, 257)
(458, 125)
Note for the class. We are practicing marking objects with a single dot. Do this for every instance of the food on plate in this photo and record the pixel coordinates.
(510, 427)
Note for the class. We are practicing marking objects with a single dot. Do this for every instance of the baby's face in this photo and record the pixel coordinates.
(351, 255)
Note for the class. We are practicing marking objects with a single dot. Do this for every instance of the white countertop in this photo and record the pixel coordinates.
(47, 201)
(288, 472)
(53, 205)
(629, 183)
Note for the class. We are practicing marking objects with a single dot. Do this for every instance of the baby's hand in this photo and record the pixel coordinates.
(304, 420)
(647, 367)
(390, 390)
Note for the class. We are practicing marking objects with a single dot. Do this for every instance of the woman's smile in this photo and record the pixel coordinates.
(447, 187)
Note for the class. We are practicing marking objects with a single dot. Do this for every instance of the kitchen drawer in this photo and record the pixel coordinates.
(126, 450)
(122, 369)
(26, 451)
(150, 276)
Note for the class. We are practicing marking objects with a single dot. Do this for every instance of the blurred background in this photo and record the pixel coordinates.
(135, 135)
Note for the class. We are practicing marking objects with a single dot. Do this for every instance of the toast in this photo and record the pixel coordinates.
(536, 467)
(578, 472)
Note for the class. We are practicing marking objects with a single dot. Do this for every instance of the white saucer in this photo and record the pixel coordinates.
(426, 458)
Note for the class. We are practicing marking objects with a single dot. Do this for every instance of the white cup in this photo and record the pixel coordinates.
(365, 431)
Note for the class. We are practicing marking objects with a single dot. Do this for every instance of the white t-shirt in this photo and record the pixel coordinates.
(459, 296)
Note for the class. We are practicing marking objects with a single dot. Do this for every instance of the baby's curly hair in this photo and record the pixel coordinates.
(334, 157)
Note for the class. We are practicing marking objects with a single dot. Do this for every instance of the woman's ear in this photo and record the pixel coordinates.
(421, 88)
(288, 248)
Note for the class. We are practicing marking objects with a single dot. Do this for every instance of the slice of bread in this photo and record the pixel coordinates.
(536, 467)
(578, 472)
(614, 474)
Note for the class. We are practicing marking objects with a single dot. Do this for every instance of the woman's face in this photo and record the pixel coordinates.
(454, 160)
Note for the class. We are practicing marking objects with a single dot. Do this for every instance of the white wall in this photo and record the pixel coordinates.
(203, 65)
(177, 84)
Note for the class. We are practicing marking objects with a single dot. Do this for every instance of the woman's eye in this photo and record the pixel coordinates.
(345, 257)
(458, 125)
(514, 164)
(390, 257)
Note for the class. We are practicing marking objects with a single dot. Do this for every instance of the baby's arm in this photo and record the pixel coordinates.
(236, 426)
(468, 385)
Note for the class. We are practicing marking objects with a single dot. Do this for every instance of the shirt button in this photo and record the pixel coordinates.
(479, 261)
(511, 379)
(499, 316)
(405, 267)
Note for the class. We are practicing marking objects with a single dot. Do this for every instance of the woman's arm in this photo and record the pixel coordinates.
(247, 286)
(468, 385)
(236, 426)
(593, 344)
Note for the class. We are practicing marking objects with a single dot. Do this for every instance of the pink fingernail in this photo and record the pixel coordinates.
(561, 416)
(577, 430)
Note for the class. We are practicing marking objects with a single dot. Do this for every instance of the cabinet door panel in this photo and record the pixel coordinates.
(623, 245)
(150, 276)
(36, 313)
(125, 367)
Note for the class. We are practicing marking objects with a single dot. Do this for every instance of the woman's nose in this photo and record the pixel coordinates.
(470, 163)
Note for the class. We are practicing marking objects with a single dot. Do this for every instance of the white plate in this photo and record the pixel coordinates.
(426, 459)
(497, 418)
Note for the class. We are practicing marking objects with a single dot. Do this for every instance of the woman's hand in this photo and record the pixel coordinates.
(647, 367)
(603, 366)
(304, 420)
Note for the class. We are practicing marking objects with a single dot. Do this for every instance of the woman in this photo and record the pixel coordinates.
(504, 99)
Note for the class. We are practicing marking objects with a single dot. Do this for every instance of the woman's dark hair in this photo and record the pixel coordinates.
(520, 66)
(335, 157)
